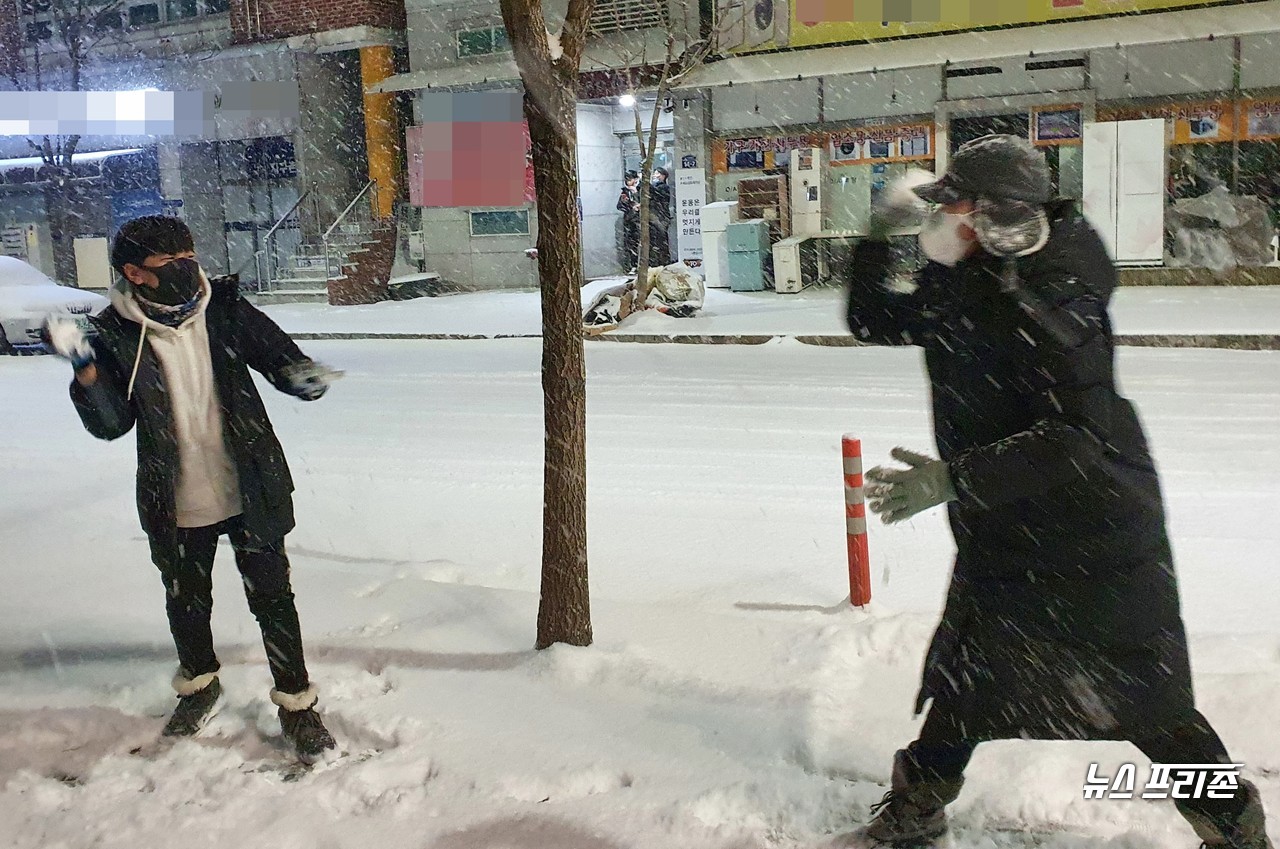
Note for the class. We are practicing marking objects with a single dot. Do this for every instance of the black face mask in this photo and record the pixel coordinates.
(179, 283)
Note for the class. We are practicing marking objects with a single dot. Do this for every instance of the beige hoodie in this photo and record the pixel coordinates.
(207, 489)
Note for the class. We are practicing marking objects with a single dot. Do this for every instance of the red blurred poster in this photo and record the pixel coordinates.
(470, 151)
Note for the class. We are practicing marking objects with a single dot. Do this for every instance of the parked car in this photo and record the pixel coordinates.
(27, 298)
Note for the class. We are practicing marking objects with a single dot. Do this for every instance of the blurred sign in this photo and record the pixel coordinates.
(887, 143)
(471, 149)
(775, 144)
(1260, 119)
(752, 25)
(1193, 123)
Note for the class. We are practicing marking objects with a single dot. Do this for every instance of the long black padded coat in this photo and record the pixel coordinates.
(240, 337)
(1062, 618)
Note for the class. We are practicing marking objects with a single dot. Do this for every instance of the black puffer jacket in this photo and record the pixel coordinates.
(1062, 618)
(240, 338)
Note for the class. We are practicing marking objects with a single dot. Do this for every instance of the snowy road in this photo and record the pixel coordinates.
(727, 689)
(1136, 310)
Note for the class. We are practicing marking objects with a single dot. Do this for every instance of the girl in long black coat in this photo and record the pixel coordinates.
(1062, 619)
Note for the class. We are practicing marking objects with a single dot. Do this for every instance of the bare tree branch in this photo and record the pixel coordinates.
(574, 35)
(526, 17)
(112, 34)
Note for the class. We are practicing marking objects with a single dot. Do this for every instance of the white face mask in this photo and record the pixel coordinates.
(940, 237)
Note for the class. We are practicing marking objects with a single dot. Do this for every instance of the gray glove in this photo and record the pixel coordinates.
(898, 494)
(898, 206)
(309, 380)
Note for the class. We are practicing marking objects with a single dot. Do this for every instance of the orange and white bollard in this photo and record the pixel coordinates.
(855, 520)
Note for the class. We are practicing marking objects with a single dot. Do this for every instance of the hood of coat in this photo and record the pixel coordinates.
(126, 304)
(1073, 263)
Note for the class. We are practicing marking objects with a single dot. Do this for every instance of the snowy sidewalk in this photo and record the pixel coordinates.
(1144, 315)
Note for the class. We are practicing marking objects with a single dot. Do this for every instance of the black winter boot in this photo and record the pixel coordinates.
(911, 814)
(302, 726)
(198, 701)
(1247, 831)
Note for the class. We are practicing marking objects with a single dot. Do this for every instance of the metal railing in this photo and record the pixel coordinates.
(305, 257)
(266, 259)
(352, 221)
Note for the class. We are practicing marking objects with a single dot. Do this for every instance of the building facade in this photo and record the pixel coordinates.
(287, 118)
(457, 48)
(880, 98)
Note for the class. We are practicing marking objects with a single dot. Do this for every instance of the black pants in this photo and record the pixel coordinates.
(659, 244)
(937, 751)
(631, 242)
(187, 571)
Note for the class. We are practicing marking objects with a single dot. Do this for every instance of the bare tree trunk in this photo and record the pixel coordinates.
(61, 196)
(674, 69)
(648, 150)
(565, 612)
(61, 202)
(550, 107)
(646, 171)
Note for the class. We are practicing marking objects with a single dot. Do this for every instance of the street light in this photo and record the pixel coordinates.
(627, 101)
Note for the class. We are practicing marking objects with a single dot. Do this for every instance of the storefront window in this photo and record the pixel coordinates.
(1260, 173)
(178, 9)
(503, 222)
(482, 41)
(963, 130)
(144, 14)
(39, 31)
(111, 19)
(1195, 169)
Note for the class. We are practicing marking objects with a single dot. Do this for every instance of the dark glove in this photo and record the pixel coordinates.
(64, 337)
(898, 494)
(309, 380)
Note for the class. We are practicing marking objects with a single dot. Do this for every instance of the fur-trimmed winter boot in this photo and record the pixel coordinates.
(1247, 831)
(301, 725)
(199, 698)
(912, 813)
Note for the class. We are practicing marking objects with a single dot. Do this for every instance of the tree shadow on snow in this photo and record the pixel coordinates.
(525, 832)
(374, 660)
(52, 656)
(794, 608)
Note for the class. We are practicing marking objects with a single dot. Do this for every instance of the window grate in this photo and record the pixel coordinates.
(628, 15)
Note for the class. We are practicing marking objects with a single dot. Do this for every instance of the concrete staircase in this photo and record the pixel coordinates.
(354, 271)
(366, 271)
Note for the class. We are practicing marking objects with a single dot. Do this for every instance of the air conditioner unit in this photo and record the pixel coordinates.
(796, 264)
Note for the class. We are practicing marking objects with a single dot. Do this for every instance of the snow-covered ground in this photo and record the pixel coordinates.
(730, 699)
(1139, 310)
